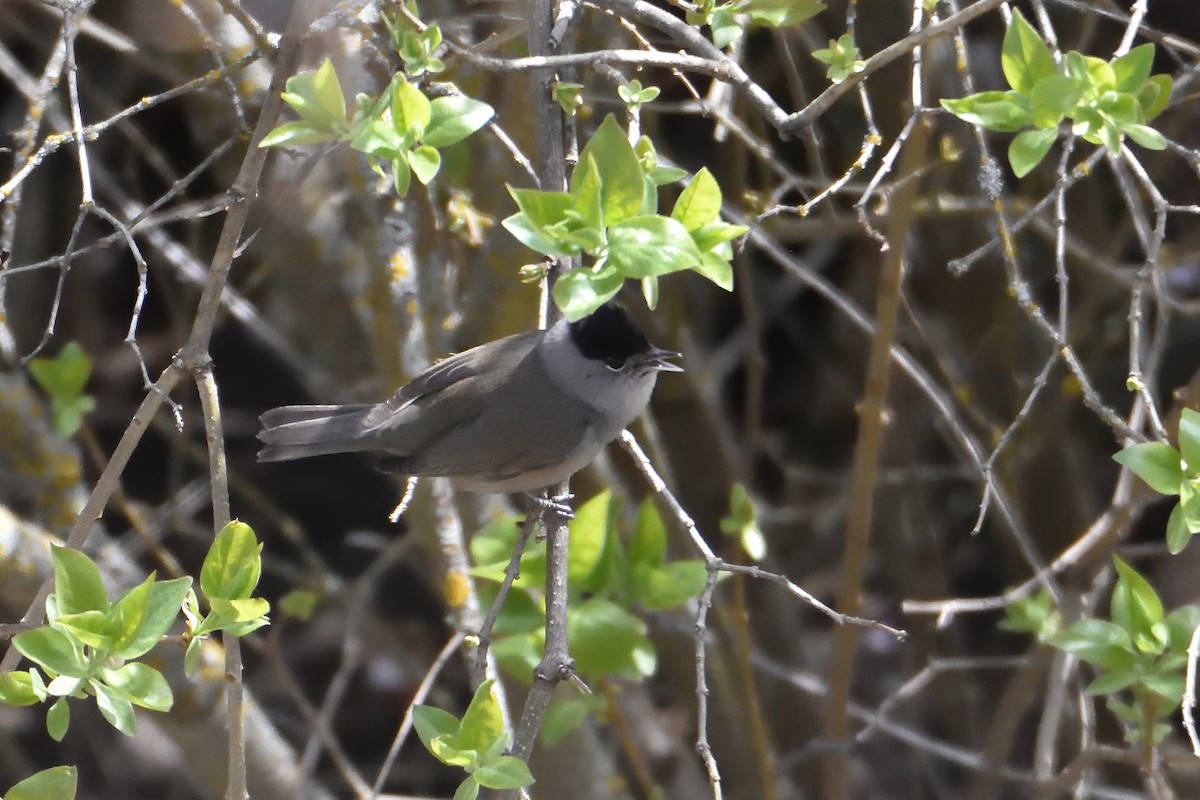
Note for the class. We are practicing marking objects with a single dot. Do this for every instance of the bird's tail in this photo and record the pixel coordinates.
(294, 432)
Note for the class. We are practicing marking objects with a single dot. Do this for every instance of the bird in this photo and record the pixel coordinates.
(514, 415)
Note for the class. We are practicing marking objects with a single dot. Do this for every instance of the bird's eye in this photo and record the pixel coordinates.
(615, 364)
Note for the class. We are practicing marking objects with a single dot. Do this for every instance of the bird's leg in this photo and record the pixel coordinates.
(558, 505)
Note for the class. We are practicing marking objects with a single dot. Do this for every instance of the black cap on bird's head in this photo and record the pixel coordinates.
(609, 335)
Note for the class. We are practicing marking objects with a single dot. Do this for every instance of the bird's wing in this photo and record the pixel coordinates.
(497, 355)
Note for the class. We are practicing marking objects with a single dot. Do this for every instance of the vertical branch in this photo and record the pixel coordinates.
(550, 130)
(866, 462)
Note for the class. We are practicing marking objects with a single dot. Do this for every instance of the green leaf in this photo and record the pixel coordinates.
(92, 628)
(1132, 70)
(1054, 98)
(997, 111)
(327, 91)
(1135, 605)
(18, 689)
(716, 269)
(505, 772)
(483, 721)
(411, 110)
(709, 237)
(589, 530)
(620, 171)
(539, 212)
(1154, 96)
(725, 27)
(128, 613)
(1024, 57)
(401, 176)
(699, 203)
(116, 709)
(1180, 625)
(425, 162)
(233, 564)
(141, 685)
(1167, 686)
(299, 603)
(1028, 148)
(649, 543)
(579, 291)
(1179, 532)
(56, 783)
(661, 176)
(1156, 463)
(650, 292)
(58, 719)
(1146, 136)
(468, 789)
(65, 375)
(587, 198)
(53, 650)
(644, 246)
(1189, 502)
(162, 609)
(569, 96)
(565, 715)
(77, 583)
(1114, 681)
(782, 13)
(602, 638)
(244, 610)
(1189, 441)
(377, 137)
(431, 722)
(1096, 641)
(191, 656)
(668, 586)
(454, 118)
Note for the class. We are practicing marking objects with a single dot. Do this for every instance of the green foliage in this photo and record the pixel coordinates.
(476, 743)
(611, 579)
(742, 523)
(569, 96)
(228, 578)
(727, 19)
(401, 129)
(414, 46)
(1104, 100)
(842, 56)
(1140, 650)
(63, 378)
(634, 96)
(1172, 472)
(88, 646)
(611, 214)
(56, 783)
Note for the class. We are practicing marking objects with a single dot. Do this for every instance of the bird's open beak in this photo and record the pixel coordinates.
(657, 358)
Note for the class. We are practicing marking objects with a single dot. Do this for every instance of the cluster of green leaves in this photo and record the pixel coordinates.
(728, 19)
(56, 783)
(89, 643)
(1172, 472)
(476, 743)
(610, 583)
(1139, 649)
(610, 214)
(415, 47)
(401, 128)
(228, 578)
(634, 95)
(63, 378)
(1105, 100)
(842, 56)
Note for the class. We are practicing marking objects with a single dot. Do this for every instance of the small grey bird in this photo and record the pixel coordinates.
(514, 415)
